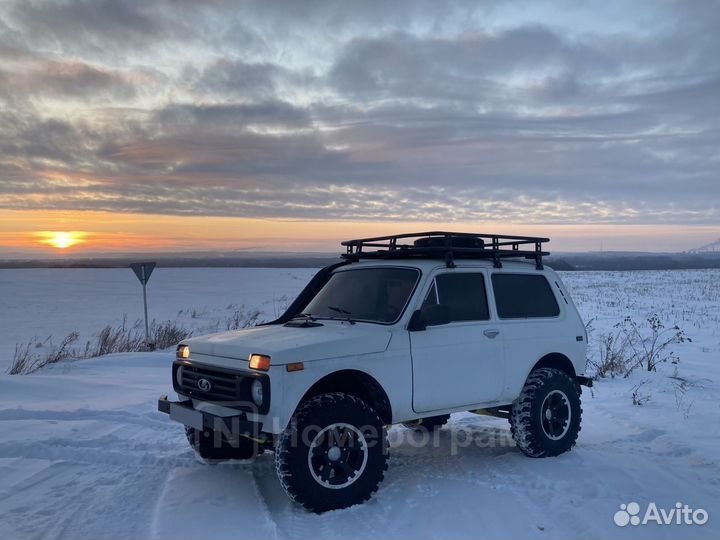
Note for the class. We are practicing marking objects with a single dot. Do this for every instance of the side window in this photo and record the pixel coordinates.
(431, 298)
(523, 296)
(464, 295)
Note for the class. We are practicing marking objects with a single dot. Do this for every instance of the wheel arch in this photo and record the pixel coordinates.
(357, 383)
(558, 361)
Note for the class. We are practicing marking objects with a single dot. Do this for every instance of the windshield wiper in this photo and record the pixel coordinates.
(344, 312)
(303, 320)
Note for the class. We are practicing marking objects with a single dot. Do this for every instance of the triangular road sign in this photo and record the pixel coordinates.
(143, 270)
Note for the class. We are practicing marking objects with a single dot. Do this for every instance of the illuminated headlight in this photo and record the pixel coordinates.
(261, 362)
(183, 352)
(256, 391)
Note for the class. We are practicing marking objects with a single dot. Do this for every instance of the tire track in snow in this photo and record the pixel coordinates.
(101, 468)
(206, 501)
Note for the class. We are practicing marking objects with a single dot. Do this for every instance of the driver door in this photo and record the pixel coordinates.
(461, 362)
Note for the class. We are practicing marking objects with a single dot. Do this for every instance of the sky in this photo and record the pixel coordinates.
(283, 125)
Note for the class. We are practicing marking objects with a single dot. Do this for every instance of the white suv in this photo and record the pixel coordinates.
(407, 329)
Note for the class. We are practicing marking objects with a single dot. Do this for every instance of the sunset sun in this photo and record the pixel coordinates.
(61, 239)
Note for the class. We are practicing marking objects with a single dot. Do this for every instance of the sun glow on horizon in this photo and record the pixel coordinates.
(61, 239)
(53, 233)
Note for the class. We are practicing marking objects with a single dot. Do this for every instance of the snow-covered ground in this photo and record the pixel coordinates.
(38, 303)
(84, 454)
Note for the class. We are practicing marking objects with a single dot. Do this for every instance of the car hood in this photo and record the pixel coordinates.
(286, 344)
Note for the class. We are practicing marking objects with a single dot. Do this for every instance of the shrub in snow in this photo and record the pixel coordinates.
(649, 350)
(614, 359)
(638, 396)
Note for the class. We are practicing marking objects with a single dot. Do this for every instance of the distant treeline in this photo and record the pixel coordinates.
(289, 261)
(633, 261)
(561, 261)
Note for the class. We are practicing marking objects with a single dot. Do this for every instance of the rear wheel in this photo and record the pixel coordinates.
(215, 447)
(333, 454)
(430, 423)
(545, 419)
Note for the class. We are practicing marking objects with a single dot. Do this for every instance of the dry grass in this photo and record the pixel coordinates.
(242, 319)
(37, 354)
(635, 345)
(650, 342)
(26, 360)
(116, 339)
(613, 360)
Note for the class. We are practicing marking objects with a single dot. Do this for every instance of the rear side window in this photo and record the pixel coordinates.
(523, 296)
(463, 294)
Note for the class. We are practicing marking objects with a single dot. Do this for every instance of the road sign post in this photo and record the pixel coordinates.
(143, 272)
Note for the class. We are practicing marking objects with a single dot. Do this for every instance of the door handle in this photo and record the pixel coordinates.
(491, 333)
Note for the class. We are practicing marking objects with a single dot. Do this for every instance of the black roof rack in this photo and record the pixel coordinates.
(447, 245)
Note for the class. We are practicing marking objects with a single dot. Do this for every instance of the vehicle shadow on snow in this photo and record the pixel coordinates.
(463, 437)
(416, 459)
(443, 466)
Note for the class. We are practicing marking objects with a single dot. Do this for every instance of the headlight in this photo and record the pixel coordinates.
(179, 376)
(261, 362)
(256, 391)
(183, 352)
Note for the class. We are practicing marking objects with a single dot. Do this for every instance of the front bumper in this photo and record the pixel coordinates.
(236, 425)
(225, 386)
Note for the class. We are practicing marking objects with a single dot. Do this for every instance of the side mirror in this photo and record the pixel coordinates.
(434, 315)
(417, 323)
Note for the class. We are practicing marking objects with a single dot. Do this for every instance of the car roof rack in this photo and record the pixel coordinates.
(449, 246)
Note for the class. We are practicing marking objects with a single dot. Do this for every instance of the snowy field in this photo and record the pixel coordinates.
(84, 454)
(38, 303)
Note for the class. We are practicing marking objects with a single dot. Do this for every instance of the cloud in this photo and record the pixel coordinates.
(467, 67)
(236, 78)
(79, 25)
(75, 80)
(117, 31)
(425, 113)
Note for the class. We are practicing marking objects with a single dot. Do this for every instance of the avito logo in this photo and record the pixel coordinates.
(681, 514)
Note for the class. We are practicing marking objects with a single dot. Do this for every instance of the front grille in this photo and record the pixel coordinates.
(225, 386)
(231, 388)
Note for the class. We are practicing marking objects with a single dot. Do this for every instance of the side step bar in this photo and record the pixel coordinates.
(495, 411)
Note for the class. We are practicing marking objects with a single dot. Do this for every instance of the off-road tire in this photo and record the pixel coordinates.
(302, 457)
(204, 443)
(527, 415)
(430, 423)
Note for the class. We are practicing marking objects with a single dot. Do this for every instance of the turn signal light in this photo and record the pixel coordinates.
(297, 366)
(183, 352)
(261, 362)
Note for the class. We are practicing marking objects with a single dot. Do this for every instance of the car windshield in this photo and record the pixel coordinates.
(364, 294)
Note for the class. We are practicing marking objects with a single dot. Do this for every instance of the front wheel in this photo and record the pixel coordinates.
(333, 454)
(545, 419)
